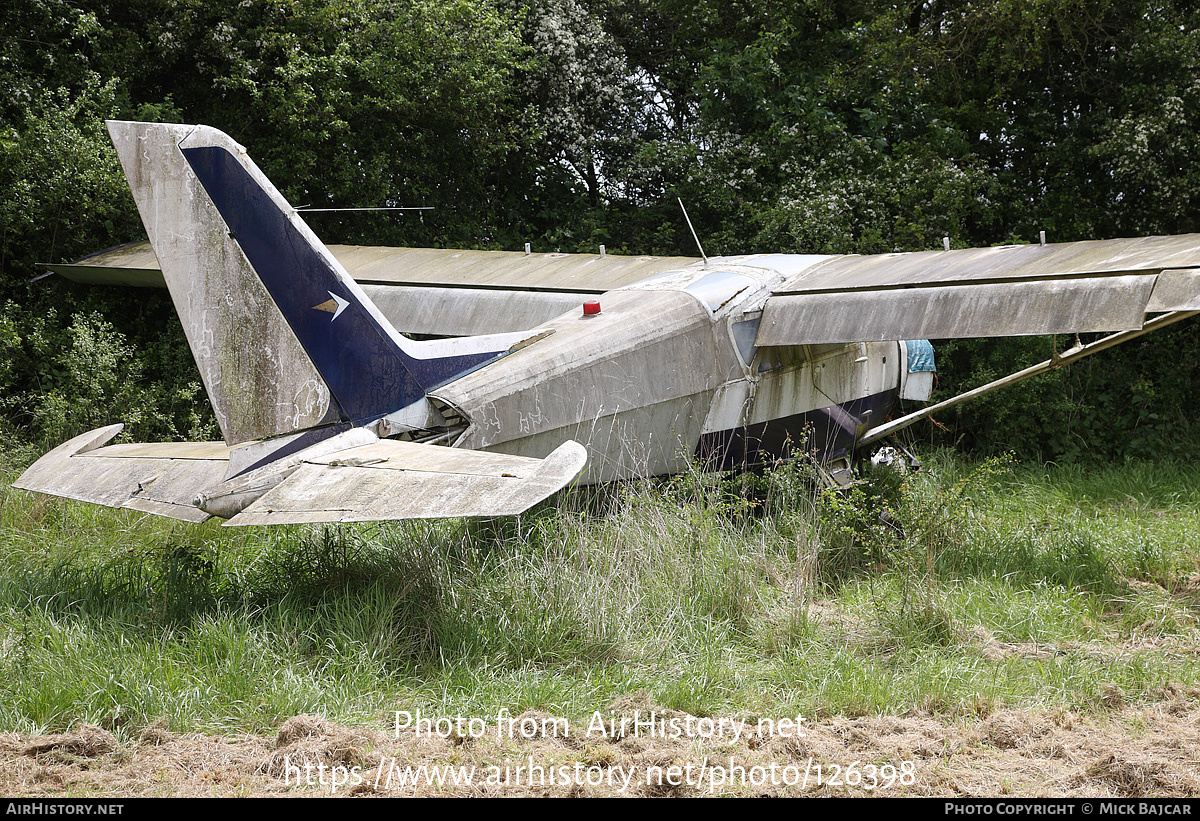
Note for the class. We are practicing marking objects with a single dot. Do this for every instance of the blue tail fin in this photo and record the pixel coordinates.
(370, 370)
(361, 357)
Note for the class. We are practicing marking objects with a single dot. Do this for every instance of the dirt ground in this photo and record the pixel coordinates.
(637, 749)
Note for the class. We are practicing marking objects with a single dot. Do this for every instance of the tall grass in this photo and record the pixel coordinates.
(953, 589)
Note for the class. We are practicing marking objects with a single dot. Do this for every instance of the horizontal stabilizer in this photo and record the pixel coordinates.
(159, 478)
(404, 480)
(379, 480)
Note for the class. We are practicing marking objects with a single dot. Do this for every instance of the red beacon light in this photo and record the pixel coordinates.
(591, 308)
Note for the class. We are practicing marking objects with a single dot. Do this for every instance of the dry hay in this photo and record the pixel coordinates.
(1137, 776)
(307, 742)
(87, 741)
(1117, 751)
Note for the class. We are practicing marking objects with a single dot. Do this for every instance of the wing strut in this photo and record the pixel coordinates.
(1065, 358)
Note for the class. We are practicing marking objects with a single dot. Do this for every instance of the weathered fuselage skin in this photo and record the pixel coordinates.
(668, 372)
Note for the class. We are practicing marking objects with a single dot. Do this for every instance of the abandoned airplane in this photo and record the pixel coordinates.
(552, 368)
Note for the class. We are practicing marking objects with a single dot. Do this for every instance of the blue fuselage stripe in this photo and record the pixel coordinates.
(368, 374)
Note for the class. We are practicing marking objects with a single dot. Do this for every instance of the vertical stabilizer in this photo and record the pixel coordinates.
(285, 339)
(258, 377)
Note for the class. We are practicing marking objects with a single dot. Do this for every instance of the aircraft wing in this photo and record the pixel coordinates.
(434, 291)
(1091, 286)
(375, 481)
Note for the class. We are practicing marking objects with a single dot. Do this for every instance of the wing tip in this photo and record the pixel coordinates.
(39, 476)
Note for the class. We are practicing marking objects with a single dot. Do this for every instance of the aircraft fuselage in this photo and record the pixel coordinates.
(668, 372)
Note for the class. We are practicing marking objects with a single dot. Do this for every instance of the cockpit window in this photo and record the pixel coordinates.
(744, 334)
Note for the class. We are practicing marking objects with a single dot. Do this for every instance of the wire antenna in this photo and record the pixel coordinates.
(693, 230)
(379, 208)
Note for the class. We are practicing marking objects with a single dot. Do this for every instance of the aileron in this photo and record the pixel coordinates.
(1176, 290)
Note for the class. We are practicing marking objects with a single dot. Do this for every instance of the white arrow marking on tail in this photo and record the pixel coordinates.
(334, 306)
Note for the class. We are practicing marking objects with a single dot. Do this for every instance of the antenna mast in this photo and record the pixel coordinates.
(693, 230)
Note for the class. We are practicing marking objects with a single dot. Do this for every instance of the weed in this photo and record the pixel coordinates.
(761, 592)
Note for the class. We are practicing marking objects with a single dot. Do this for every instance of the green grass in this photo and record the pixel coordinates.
(991, 585)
